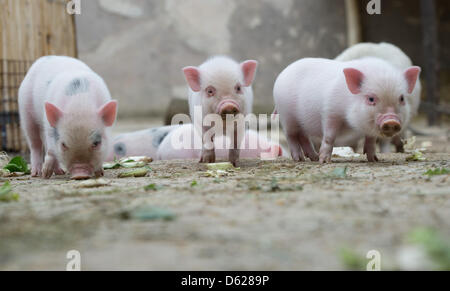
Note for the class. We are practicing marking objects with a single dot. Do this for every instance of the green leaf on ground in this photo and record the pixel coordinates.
(6, 194)
(146, 212)
(437, 248)
(416, 156)
(220, 166)
(152, 187)
(351, 260)
(17, 164)
(437, 172)
(339, 173)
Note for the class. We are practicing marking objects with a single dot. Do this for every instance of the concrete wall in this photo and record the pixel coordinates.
(139, 46)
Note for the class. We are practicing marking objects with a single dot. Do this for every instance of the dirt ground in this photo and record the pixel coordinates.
(267, 215)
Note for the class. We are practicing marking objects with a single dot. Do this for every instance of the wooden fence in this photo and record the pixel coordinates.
(29, 29)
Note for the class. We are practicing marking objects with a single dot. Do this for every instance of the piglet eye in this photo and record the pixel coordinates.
(238, 88)
(211, 91)
(96, 144)
(64, 146)
(402, 100)
(371, 100)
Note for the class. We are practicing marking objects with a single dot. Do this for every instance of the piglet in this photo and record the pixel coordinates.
(332, 100)
(396, 57)
(220, 86)
(139, 143)
(66, 110)
(180, 145)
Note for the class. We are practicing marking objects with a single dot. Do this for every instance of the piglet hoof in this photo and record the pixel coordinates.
(234, 163)
(325, 159)
(400, 148)
(297, 157)
(99, 174)
(36, 171)
(372, 158)
(313, 157)
(47, 172)
(59, 172)
(208, 157)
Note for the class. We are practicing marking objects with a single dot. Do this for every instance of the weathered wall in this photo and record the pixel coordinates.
(139, 47)
(400, 23)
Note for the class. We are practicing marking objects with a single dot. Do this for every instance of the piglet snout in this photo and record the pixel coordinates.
(389, 124)
(81, 172)
(228, 106)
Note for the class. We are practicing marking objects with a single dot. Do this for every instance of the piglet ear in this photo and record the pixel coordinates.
(249, 70)
(354, 79)
(411, 75)
(53, 113)
(192, 75)
(108, 113)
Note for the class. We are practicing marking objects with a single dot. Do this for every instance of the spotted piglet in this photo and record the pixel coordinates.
(66, 110)
(220, 86)
(332, 100)
(139, 143)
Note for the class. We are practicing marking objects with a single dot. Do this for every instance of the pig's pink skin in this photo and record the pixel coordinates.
(139, 143)
(317, 100)
(167, 151)
(61, 100)
(221, 86)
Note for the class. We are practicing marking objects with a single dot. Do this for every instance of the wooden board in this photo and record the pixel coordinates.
(29, 29)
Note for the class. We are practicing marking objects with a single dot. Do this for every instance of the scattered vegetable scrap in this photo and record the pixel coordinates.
(216, 174)
(94, 183)
(410, 144)
(6, 194)
(416, 156)
(220, 166)
(140, 172)
(128, 162)
(152, 187)
(344, 152)
(437, 172)
(436, 246)
(15, 168)
(339, 173)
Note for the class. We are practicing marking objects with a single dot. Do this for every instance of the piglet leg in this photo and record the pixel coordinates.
(234, 152)
(332, 127)
(208, 151)
(36, 147)
(370, 148)
(294, 146)
(397, 141)
(50, 164)
(308, 148)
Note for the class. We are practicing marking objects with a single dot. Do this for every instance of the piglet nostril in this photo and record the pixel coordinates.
(391, 127)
